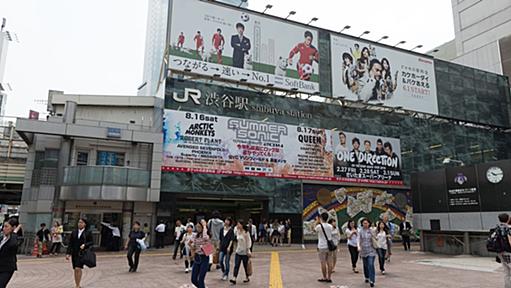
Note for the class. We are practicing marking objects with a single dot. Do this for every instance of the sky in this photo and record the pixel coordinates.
(97, 46)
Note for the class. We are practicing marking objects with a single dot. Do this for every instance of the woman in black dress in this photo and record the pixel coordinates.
(8, 250)
(80, 240)
(133, 247)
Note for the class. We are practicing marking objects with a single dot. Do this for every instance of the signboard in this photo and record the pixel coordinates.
(203, 143)
(373, 73)
(236, 45)
(344, 203)
(462, 190)
(113, 132)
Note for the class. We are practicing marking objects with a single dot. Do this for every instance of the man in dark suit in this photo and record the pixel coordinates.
(8, 250)
(240, 45)
(405, 229)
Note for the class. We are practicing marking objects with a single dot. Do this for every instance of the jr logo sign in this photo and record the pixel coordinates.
(194, 94)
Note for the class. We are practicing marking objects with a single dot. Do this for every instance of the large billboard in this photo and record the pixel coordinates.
(237, 45)
(363, 71)
(202, 143)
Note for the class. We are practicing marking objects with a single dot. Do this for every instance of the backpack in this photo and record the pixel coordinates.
(498, 241)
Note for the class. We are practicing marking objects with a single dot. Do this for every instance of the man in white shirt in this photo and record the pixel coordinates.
(179, 231)
(326, 256)
(160, 235)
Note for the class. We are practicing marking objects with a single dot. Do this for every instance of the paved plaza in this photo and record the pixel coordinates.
(281, 267)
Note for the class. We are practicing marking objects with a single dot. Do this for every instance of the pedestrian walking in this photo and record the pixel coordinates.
(42, 238)
(324, 231)
(382, 237)
(215, 226)
(391, 227)
(56, 238)
(352, 237)
(282, 232)
(275, 235)
(503, 247)
(226, 248)
(405, 229)
(367, 250)
(160, 235)
(79, 241)
(187, 249)
(288, 232)
(133, 246)
(179, 232)
(8, 250)
(262, 231)
(336, 238)
(243, 252)
(252, 229)
(202, 248)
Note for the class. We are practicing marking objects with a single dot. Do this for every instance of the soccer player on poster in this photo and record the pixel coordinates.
(181, 40)
(308, 53)
(199, 44)
(218, 43)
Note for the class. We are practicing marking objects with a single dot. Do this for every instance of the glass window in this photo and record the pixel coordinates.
(82, 158)
(107, 158)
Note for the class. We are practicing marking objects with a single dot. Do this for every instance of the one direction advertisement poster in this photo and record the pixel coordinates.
(202, 143)
(236, 45)
(375, 74)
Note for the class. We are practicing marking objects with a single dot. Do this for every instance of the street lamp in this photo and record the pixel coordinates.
(364, 33)
(448, 160)
(399, 43)
(268, 7)
(291, 13)
(345, 28)
(314, 19)
(382, 38)
(416, 47)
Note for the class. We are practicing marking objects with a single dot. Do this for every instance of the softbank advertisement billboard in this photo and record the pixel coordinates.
(203, 143)
(231, 44)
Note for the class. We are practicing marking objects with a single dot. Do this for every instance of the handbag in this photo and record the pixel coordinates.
(88, 258)
(208, 249)
(250, 270)
(141, 244)
(330, 243)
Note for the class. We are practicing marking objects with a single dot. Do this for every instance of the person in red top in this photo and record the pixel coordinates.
(181, 40)
(199, 43)
(218, 43)
(308, 53)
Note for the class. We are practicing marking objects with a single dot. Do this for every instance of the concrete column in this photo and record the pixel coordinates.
(127, 217)
(64, 160)
(422, 241)
(466, 243)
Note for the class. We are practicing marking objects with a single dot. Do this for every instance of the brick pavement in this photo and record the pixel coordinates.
(299, 268)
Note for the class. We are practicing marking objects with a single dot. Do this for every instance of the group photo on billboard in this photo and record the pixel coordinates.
(366, 157)
(371, 73)
(237, 45)
(203, 143)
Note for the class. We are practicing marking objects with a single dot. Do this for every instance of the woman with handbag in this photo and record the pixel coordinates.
(133, 246)
(187, 249)
(8, 250)
(367, 244)
(202, 247)
(79, 241)
(56, 238)
(243, 252)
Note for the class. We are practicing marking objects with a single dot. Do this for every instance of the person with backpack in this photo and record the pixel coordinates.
(500, 242)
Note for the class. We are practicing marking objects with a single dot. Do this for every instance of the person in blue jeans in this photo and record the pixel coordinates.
(226, 240)
(367, 250)
(201, 260)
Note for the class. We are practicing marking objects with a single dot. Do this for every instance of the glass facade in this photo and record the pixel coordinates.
(425, 142)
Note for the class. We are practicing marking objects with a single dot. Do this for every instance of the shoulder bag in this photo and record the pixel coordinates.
(331, 245)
